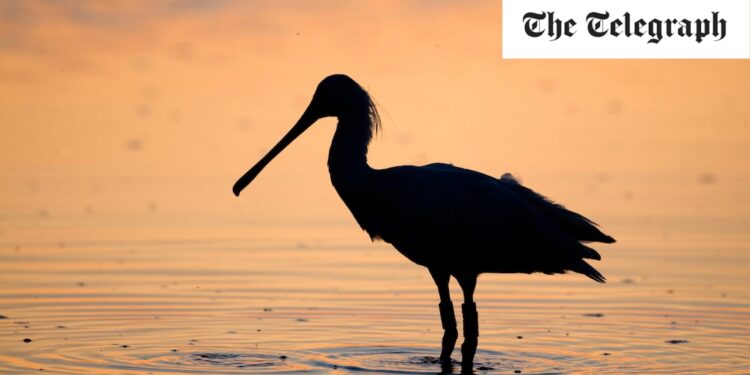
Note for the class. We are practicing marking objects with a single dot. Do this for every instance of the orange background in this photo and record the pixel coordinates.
(130, 108)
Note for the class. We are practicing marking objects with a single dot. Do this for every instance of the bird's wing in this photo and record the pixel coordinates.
(574, 224)
(453, 209)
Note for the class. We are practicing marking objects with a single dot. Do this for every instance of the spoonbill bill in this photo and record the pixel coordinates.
(454, 221)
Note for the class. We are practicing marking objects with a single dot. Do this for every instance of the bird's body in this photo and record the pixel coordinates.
(454, 221)
(439, 215)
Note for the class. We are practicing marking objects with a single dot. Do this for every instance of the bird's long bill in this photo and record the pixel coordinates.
(302, 124)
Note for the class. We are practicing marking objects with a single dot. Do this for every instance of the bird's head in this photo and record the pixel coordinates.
(336, 96)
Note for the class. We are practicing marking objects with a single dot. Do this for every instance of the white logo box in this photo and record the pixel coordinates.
(617, 29)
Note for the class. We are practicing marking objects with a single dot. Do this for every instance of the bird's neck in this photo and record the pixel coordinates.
(347, 158)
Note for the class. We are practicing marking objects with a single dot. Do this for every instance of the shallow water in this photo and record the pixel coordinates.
(145, 301)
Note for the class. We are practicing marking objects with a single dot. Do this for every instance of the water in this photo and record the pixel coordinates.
(269, 302)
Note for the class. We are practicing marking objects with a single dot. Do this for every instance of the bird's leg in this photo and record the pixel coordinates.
(447, 316)
(471, 320)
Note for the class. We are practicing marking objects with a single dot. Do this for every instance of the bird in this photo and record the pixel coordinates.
(455, 222)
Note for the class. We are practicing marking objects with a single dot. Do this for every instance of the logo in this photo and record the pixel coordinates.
(626, 29)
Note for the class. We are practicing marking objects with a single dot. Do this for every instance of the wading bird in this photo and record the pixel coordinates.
(454, 221)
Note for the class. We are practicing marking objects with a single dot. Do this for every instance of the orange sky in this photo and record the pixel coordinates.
(134, 105)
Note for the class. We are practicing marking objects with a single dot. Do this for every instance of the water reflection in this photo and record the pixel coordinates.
(258, 305)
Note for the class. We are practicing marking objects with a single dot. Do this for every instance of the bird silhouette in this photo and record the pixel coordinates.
(454, 221)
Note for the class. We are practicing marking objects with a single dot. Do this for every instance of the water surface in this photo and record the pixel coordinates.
(319, 298)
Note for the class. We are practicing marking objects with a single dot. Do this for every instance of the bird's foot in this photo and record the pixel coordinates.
(450, 334)
(468, 350)
(467, 370)
(449, 342)
(471, 334)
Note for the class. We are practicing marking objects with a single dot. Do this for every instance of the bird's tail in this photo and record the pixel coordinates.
(581, 266)
(588, 253)
(572, 223)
